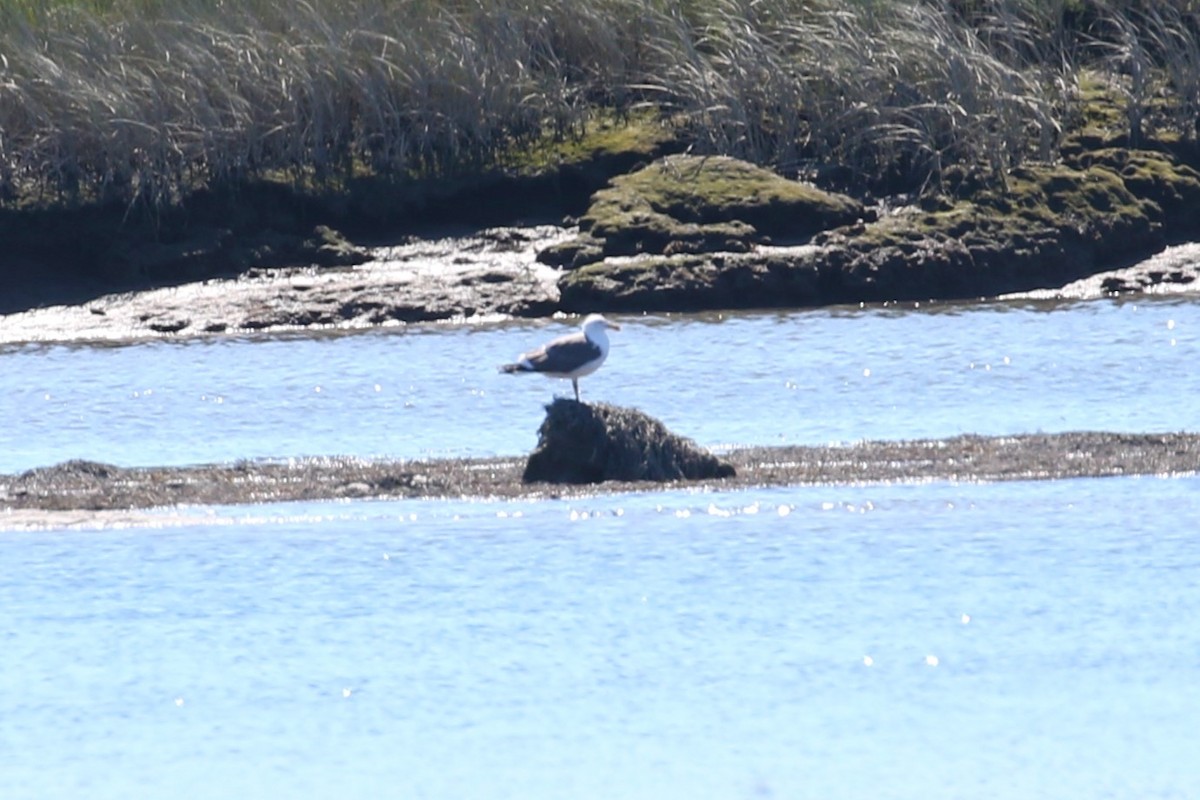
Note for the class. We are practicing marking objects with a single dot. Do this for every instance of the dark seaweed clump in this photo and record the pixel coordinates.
(593, 443)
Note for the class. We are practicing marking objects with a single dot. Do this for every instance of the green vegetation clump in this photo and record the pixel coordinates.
(694, 204)
(707, 190)
(1173, 188)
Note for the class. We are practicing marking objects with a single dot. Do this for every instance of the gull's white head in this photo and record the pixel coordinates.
(594, 326)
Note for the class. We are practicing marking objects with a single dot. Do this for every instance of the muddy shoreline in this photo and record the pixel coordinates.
(491, 274)
(667, 237)
(91, 486)
(486, 274)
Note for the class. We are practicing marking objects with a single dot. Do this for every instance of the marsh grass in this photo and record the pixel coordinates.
(891, 92)
(140, 102)
(140, 108)
(1153, 52)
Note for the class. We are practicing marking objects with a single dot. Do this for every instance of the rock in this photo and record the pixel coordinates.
(592, 443)
(329, 248)
(324, 247)
(168, 324)
(573, 253)
(75, 483)
(76, 468)
(693, 282)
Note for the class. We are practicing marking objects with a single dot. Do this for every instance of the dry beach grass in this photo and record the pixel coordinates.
(142, 101)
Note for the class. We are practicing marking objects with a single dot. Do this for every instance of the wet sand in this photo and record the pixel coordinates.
(83, 486)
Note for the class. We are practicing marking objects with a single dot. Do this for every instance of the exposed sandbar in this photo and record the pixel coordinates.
(90, 486)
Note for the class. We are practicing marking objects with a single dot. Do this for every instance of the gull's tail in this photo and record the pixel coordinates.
(517, 366)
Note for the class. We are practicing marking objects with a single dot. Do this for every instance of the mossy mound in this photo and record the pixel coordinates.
(700, 204)
(1156, 177)
(710, 190)
(593, 443)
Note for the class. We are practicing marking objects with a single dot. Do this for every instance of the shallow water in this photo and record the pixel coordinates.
(804, 377)
(997, 640)
(1003, 641)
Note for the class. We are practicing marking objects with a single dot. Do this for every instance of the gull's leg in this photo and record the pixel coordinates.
(575, 383)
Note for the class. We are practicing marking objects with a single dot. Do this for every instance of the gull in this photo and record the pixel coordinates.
(571, 356)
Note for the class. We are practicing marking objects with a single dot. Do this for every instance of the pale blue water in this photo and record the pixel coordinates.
(1009, 640)
(1024, 640)
(802, 377)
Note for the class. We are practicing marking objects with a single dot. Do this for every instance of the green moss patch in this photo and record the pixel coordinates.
(605, 137)
(700, 204)
(1158, 178)
(715, 189)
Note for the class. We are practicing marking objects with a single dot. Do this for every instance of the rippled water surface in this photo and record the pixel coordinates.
(1001, 641)
(803, 377)
(1010, 640)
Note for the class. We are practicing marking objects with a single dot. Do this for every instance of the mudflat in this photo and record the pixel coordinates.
(92, 486)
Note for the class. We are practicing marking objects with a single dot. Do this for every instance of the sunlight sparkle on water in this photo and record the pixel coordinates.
(744, 605)
(464, 611)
